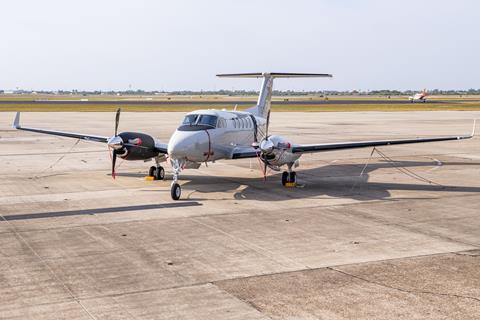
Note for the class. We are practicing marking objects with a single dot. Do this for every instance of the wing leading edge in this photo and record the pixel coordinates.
(160, 147)
(306, 148)
(16, 125)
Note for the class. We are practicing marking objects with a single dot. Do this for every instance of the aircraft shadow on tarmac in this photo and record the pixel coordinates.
(54, 214)
(336, 180)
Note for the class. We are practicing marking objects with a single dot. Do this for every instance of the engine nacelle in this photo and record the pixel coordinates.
(145, 150)
(281, 153)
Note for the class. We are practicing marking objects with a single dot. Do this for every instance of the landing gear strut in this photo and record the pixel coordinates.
(175, 189)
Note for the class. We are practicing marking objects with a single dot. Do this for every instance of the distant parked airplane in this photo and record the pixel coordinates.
(419, 97)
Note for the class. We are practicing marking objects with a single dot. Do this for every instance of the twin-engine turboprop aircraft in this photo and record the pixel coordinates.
(419, 97)
(209, 135)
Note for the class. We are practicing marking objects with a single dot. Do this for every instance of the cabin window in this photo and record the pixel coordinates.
(222, 123)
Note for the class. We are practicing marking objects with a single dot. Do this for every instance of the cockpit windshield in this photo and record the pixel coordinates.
(190, 119)
(194, 122)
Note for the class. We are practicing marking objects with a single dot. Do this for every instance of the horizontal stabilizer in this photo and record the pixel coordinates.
(273, 75)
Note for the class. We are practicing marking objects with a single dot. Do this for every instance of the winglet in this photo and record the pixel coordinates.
(16, 122)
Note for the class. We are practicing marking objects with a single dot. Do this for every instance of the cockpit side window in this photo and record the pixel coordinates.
(207, 120)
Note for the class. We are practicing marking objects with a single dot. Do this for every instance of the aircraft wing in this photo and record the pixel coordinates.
(244, 152)
(16, 125)
(250, 152)
(160, 147)
(309, 148)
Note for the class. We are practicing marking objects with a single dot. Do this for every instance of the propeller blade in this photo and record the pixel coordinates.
(267, 125)
(114, 160)
(117, 120)
(265, 171)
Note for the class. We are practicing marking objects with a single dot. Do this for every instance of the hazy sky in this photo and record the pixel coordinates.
(174, 45)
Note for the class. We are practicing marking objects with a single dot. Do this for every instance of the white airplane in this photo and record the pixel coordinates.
(419, 97)
(209, 135)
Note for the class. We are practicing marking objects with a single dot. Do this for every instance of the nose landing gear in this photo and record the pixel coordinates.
(175, 189)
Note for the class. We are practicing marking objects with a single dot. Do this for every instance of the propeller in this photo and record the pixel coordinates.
(266, 147)
(118, 146)
(115, 143)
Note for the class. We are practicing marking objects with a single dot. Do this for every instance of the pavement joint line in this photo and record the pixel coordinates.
(215, 282)
(67, 289)
(331, 206)
(246, 302)
(410, 227)
(252, 246)
(410, 291)
(40, 304)
(345, 265)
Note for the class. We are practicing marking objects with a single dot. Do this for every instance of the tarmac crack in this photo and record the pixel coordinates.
(404, 290)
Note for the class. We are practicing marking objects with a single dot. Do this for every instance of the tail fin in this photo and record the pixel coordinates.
(262, 109)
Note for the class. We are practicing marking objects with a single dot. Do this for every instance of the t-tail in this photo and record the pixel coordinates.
(262, 108)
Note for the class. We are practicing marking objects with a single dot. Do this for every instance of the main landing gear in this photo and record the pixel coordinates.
(289, 178)
(158, 172)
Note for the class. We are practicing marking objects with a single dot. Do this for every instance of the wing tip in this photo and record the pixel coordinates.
(16, 122)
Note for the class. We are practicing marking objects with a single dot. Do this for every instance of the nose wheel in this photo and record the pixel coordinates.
(175, 191)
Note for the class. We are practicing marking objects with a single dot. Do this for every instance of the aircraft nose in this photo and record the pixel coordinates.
(188, 145)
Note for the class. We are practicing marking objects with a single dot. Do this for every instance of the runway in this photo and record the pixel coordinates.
(383, 244)
(213, 102)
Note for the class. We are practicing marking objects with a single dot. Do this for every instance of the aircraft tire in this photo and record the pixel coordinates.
(175, 191)
(159, 173)
(151, 171)
(293, 177)
(284, 178)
